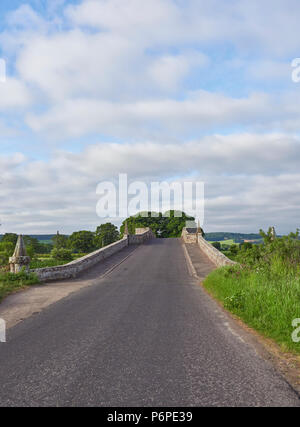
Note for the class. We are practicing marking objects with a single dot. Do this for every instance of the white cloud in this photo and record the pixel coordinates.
(119, 68)
(14, 94)
(249, 24)
(168, 71)
(251, 181)
(201, 111)
(269, 70)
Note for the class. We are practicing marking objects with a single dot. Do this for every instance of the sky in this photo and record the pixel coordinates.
(162, 90)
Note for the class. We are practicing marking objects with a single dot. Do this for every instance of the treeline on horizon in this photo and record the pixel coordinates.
(210, 236)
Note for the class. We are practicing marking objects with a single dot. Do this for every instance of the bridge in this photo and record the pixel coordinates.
(134, 329)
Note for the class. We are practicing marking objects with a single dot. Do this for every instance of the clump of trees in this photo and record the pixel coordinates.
(168, 224)
(283, 251)
(85, 241)
(106, 234)
(62, 254)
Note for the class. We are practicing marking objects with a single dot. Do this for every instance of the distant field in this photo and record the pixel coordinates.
(228, 242)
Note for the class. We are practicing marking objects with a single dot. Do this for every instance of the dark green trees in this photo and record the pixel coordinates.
(169, 224)
(106, 234)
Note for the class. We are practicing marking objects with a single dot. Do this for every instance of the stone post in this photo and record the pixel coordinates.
(126, 233)
(273, 233)
(19, 259)
(200, 230)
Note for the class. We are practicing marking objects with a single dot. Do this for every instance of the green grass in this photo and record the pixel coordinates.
(47, 262)
(10, 282)
(266, 299)
(228, 242)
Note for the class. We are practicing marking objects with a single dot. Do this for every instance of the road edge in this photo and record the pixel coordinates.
(286, 364)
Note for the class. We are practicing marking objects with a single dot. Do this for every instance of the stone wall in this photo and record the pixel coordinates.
(188, 237)
(141, 236)
(73, 268)
(213, 254)
(141, 230)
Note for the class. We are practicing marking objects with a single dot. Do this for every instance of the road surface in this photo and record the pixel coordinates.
(144, 335)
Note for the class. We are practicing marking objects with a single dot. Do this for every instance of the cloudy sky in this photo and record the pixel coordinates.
(158, 89)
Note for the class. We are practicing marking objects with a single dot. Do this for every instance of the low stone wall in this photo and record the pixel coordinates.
(189, 237)
(141, 236)
(73, 268)
(213, 254)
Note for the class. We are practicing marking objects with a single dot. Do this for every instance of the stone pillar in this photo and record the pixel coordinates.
(273, 233)
(19, 259)
(200, 230)
(126, 233)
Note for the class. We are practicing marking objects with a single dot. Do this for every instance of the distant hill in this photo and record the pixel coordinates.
(212, 237)
(237, 237)
(43, 238)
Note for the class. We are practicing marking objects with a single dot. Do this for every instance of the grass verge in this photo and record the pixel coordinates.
(10, 282)
(268, 301)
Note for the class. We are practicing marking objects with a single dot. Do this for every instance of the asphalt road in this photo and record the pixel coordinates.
(145, 335)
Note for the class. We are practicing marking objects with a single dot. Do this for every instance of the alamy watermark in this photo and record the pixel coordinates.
(296, 70)
(2, 330)
(122, 199)
(2, 70)
(296, 332)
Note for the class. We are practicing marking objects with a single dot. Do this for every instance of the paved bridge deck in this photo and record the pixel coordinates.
(146, 334)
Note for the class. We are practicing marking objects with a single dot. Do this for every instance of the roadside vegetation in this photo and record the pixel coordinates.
(264, 288)
(10, 282)
(61, 249)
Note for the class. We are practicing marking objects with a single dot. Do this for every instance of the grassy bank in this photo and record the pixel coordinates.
(264, 289)
(10, 283)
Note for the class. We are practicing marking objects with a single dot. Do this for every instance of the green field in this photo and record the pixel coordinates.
(228, 242)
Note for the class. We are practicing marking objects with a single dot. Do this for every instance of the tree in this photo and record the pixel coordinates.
(234, 250)
(82, 241)
(10, 237)
(33, 243)
(106, 234)
(61, 254)
(6, 251)
(217, 245)
(168, 224)
(245, 246)
(60, 241)
(45, 248)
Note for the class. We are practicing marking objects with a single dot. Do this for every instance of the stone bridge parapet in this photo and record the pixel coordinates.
(219, 259)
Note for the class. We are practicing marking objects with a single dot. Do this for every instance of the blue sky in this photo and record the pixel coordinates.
(95, 88)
